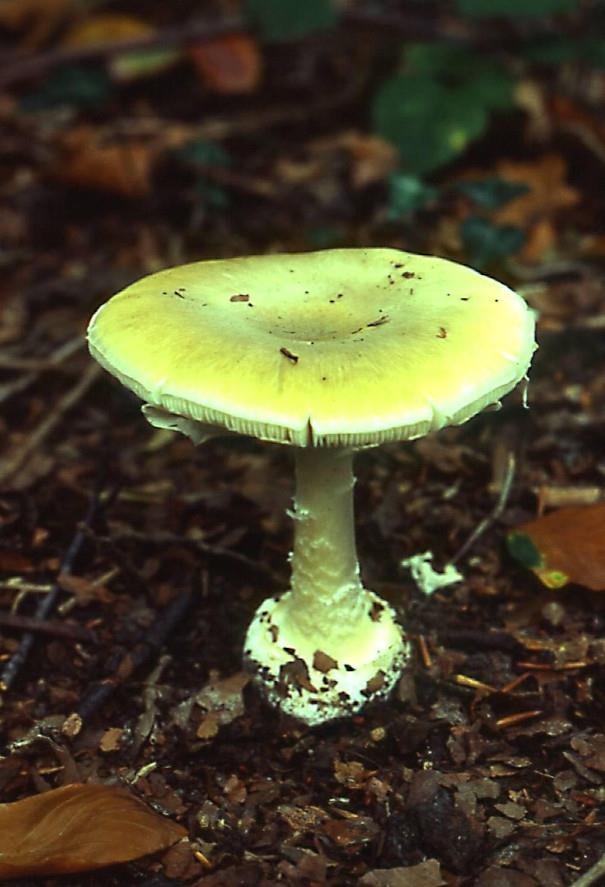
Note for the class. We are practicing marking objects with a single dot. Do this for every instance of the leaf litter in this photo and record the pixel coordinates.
(485, 768)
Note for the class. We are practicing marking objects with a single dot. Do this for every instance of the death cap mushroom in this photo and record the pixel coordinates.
(327, 352)
(347, 347)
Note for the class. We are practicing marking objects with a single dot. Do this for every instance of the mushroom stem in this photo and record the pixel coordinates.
(328, 645)
(325, 572)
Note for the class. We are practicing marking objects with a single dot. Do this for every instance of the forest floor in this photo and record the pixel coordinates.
(131, 563)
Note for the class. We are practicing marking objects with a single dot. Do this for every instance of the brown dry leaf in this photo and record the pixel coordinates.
(222, 702)
(534, 211)
(111, 739)
(351, 831)
(372, 158)
(591, 749)
(576, 119)
(78, 828)
(352, 774)
(109, 27)
(119, 167)
(229, 65)
(567, 545)
(425, 874)
(39, 18)
(302, 819)
(84, 590)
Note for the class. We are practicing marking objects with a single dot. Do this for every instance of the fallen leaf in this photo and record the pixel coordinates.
(372, 158)
(567, 545)
(228, 65)
(351, 831)
(119, 167)
(221, 701)
(111, 739)
(534, 211)
(109, 27)
(138, 64)
(79, 828)
(39, 18)
(425, 874)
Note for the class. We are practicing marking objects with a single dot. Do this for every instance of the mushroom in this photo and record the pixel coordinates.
(327, 352)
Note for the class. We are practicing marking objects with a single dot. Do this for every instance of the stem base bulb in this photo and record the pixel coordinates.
(308, 678)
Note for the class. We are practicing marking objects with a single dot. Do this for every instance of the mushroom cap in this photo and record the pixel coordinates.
(344, 347)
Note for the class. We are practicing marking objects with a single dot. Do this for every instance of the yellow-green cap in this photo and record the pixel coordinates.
(340, 347)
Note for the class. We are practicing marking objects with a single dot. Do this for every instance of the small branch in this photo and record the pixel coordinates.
(54, 629)
(11, 464)
(47, 604)
(163, 538)
(593, 874)
(52, 362)
(497, 510)
(147, 646)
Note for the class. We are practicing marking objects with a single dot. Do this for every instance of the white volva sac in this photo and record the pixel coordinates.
(326, 352)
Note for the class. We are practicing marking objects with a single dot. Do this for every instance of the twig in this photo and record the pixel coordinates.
(52, 362)
(593, 874)
(13, 462)
(147, 646)
(55, 629)
(47, 604)
(163, 538)
(481, 640)
(497, 510)
(16, 386)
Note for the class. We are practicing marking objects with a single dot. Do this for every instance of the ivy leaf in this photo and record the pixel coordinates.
(559, 48)
(461, 67)
(491, 193)
(407, 195)
(428, 123)
(78, 828)
(514, 8)
(201, 152)
(485, 242)
(281, 20)
(439, 104)
(78, 86)
(197, 155)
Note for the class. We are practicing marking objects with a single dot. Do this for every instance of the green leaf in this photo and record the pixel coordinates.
(514, 8)
(523, 550)
(492, 87)
(553, 50)
(203, 153)
(558, 49)
(407, 195)
(212, 195)
(439, 103)
(460, 66)
(429, 123)
(491, 193)
(485, 242)
(128, 66)
(278, 20)
(592, 51)
(77, 86)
